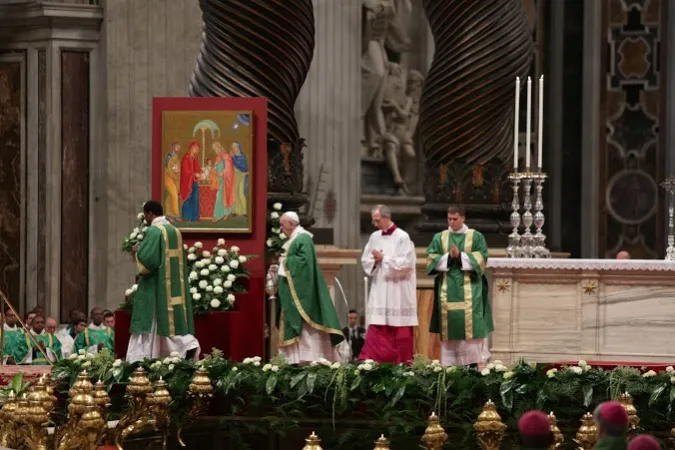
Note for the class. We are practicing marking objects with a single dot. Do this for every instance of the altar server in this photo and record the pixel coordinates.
(391, 313)
(161, 320)
(611, 422)
(461, 314)
(534, 430)
(309, 328)
(96, 335)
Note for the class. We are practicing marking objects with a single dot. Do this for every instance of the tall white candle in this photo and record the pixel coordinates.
(515, 126)
(540, 122)
(528, 125)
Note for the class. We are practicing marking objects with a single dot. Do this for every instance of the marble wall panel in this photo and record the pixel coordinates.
(42, 178)
(11, 122)
(74, 181)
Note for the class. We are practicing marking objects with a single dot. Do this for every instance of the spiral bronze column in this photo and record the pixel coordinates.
(261, 48)
(465, 128)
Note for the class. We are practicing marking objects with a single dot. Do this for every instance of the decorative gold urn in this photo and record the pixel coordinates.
(586, 436)
(36, 417)
(382, 443)
(312, 442)
(434, 436)
(8, 416)
(558, 437)
(626, 401)
(200, 392)
(101, 399)
(489, 427)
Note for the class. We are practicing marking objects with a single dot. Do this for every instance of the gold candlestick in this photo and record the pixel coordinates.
(382, 443)
(626, 401)
(312, 442)
(200, 393)
(489, 427)
(586, 436)
(434, 436)
(558, 437)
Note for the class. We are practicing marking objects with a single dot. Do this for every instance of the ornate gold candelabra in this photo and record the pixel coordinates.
(101, 399)
(434, 436)
(586, 436)
(313, 442)
(8, 428)
(558, 437)
(146, 408)
(382, 443)
(489, 427)
(626, 401)
(200, 393)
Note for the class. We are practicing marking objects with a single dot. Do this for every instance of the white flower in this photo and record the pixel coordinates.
(500, 368)
(217, 290)
(174, 354)
(222, 252)
(167, 360)
(283, 237)
(314, 363)
(217, 282)
(324, 362)
(213, 267)
(140, 237)
(81, 352)
(274, 215)
(191, 257)
(491, 366)
(117, 363)
(234, 369)
(451, 369)
(587, 368)
(225, 269)
(369, 361)
(128, 292)
(194, 276)
(156, 365)
(335, 365)
(582, 363)
(234, 263)
(215, 303)
(649, 374)
(86, 364)
(199, 264)
(576, 369)
(73, 356)
(248, 360)
(221, 241)
(485, 372)
(551, 372)
(256, 363)
(438, 368)
(209, 288)
(672, 380)
(134, 288)
(269, 242)
(267, 367)
(140, 216)
(171, 367)
(137, 230)
(197, 296)
(81, 358)
(133, 235)
(231, 277)
(276, 206)
(204, 272)
(193, 290)
(234, 249)
(276, 230)
(227, 284)
(191, 250)
(435, 362)
(275, 368)
(365, 366)
(242, 259)
(230, 298)
(185, 247)
(90, 356)
(203, 284)
(219, 260)
(206, 254)
(508, 375)
(408, 374)
(670, 369)
(198, 244)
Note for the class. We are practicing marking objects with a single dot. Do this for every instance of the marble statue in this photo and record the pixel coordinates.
(384, 27)
(400, 108)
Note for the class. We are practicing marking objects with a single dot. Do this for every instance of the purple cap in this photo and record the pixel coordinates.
(644, 442)
(534, 423)
(613, 413)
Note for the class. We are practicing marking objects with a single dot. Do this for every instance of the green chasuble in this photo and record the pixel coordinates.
(48, 341)
(303, 295)
(461, 304)
(163, 287)
(89, 337)
(15, 344)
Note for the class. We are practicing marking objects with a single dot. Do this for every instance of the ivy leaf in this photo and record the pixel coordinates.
(506, 392)
(271, 384)
(297, 378)
(672, 397)
(356, 383)
(398, 395)
(588, 394)
(656, 393)
(311, 380)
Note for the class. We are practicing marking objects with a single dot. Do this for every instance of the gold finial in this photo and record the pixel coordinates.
(312, 442)
(586, 437)
(139, 384)
(382, 443)
(558, 437)
(201, 383)
(434, 436)
(626, 401)
(489, 427)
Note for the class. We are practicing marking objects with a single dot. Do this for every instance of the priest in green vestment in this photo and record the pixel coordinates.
(14, 339)
(309, 328)
(161, 319)
(461, 314)
(43, 347)
(96, 335)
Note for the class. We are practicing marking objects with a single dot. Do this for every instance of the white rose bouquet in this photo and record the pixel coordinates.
(275, 238)
(215, 276)
(129, 298)
(136, 235)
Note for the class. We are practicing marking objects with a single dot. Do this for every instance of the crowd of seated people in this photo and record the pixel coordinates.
(42, 341)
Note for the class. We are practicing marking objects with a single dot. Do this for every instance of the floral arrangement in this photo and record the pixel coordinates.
(136, 235)
(129, 295)
(215, 276)
(276, 238)
(395, 399)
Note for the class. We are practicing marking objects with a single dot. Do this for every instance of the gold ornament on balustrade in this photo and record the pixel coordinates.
(489, 427)
(434, 436)
(200, 392)
(503, 286)
(626, 401)
(586, 436)
(558, 437)
(382, 443)
(589, 287)
(313, 442)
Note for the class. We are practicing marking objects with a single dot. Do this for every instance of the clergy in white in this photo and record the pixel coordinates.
(391, 313)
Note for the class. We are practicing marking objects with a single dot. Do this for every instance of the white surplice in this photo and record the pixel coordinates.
(393, 293)
(462, 352)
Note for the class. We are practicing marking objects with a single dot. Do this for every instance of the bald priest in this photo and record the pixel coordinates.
(309, 328)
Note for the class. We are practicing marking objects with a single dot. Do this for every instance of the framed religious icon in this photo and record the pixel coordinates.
(207, 169)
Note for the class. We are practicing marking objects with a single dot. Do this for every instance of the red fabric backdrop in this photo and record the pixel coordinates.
(243, 329)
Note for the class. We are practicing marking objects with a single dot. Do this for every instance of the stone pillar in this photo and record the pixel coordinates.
(328, 113)
(669, 41)
(56, 47)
